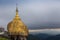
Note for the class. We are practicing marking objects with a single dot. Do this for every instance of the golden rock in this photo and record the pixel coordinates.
(17, 27)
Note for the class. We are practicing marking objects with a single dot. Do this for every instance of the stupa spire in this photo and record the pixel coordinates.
(17, 15)
(16, 10)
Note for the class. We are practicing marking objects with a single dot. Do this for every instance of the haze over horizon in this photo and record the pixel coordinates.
(34, 13)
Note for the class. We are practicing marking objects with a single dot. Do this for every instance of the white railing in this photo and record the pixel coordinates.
(1, 33)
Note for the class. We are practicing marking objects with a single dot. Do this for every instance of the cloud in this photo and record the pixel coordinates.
(41, 10)
(46, 31)
(31, 12)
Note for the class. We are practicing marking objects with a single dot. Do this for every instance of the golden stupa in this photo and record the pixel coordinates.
(17, 27)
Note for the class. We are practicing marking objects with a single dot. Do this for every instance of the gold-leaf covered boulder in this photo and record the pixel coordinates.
(17, 27)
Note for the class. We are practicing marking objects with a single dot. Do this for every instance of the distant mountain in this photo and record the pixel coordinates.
(40, 36)
(56, 37)
(43, 37)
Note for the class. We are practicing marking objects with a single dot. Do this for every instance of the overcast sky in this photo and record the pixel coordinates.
(32, 12)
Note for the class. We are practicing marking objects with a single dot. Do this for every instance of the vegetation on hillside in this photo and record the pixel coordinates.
(4, 38)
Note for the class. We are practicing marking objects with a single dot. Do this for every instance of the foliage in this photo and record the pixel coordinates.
(4, 39)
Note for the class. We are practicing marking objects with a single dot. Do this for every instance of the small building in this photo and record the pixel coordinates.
(2, 30)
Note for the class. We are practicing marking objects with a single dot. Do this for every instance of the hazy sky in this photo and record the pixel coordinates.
(32, 12)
